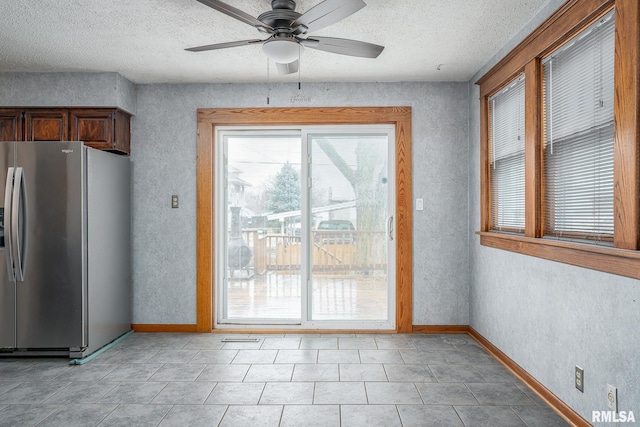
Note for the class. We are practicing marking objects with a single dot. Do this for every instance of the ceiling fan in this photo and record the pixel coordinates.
(288, 31)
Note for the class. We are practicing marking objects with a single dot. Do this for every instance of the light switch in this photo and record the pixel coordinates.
(419, 204)
(174, 201)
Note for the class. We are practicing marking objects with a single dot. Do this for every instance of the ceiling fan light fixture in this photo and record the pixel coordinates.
(282, 50)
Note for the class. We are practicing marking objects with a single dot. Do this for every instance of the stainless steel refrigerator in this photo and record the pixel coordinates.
(65, 275)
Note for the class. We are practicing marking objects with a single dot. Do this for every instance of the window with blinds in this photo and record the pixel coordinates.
(578, 131)
(506, 115)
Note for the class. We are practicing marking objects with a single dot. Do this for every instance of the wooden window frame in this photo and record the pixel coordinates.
(208, 119)
(571, 18)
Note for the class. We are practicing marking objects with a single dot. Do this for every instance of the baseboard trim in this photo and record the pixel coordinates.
(440, 329)
(416, 329)
(163, 328)
(564, 410)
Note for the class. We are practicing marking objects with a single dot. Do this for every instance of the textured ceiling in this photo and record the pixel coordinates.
(144, 40)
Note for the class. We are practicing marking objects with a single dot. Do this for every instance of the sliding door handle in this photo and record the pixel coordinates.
(390, 227)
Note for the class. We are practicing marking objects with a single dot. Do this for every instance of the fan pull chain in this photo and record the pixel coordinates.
(268, 82)
(299, 66)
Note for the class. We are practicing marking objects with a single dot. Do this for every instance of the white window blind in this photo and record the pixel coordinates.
(578, 102)
(506, 112)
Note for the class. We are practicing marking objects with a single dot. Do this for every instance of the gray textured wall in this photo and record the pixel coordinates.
(163, 162)
(67, 90)
(163, 155)
(547, 316)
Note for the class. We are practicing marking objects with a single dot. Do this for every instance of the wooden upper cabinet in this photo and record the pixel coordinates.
(102, 128)
(46, 125)
(94, 127)
(122, 132)
(10, 125)
(106, 129)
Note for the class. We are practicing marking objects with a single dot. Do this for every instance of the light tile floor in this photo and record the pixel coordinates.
(152, 379)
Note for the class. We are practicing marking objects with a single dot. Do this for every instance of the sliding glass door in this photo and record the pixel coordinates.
(349, 217)
(304, 222)
(260, 249)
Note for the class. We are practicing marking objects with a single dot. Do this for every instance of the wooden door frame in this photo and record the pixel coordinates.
(208, 119)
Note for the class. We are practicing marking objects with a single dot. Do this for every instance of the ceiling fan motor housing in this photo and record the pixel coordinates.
(280, 18)
(283, 4)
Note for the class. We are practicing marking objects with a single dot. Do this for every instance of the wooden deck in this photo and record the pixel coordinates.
(277, 295)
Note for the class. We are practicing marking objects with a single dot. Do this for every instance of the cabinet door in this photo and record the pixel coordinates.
(106, 129)
(46, 125)
(10, 125)
(122, 142)
(93, 127)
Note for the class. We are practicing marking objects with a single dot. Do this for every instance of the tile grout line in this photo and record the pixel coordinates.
(399, 417)
(163, 417)
(458, 415)
(224, 414)
(264, 386)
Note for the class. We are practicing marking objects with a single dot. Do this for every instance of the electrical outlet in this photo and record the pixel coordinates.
(174, 201)
(579, 378)
(419, 204)
(612, 398)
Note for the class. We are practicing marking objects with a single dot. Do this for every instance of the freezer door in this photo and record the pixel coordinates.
(50, 295)
(7, 284)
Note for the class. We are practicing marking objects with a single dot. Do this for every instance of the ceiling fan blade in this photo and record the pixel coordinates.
(326, 13)
(289, 68)
(236, 13)
(223, 45)
(343, 46)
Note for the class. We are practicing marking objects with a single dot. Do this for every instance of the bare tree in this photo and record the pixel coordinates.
(369, 182)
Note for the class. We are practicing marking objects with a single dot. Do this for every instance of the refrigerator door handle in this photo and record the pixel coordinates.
(8, 192)
(19, 224)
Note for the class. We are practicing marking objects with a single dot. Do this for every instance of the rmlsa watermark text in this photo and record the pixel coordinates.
(612, 417)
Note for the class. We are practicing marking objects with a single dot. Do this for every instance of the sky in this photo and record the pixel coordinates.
(260, 158)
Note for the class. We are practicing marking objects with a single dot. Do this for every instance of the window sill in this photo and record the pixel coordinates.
(610, 260)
